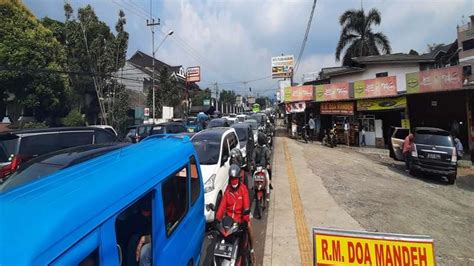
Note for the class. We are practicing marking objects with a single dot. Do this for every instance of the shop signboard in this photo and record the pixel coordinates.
(374, 88)
(381, 104)
(345, 247)
(299, 93)
(206, 102)
(441, 79)
(282, 66)
(331, 92)
(337, 108)
(193, 74)
(297, 107)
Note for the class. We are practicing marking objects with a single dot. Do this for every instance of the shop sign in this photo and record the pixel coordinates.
(282, 66)
(441, 79)
(193, 74)
(337, 108)
(299, 93)
(344, 247)
(381, 104)
(378, 87)
(331, 92)
(298, 107)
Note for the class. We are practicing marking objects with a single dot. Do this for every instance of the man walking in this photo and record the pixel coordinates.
(312, 127)
(362, 143)
(407, 150)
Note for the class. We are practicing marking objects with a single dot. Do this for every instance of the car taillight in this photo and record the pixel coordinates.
(414, 152)
(454, 156)
(9, 168)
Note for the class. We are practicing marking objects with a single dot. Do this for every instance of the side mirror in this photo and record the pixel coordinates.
(211, 207)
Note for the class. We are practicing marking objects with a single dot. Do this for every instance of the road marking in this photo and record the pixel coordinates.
(304, 242)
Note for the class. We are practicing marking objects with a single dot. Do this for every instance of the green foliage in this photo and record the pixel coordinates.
(118, 106)
(198, 96)
(168, 92)
(35, 125)
(263, 102)
(228, 96)
(73, 119)
(26, 44)
(357, 37)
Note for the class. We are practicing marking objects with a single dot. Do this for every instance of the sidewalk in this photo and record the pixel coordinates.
(299, 202)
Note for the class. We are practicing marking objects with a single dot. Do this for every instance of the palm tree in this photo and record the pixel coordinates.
(357, 36)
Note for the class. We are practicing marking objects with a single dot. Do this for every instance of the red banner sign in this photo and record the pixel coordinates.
(441, 79)
(334, 91)
(378, 87)
(337, 108)
(299, 93)
(295, 107)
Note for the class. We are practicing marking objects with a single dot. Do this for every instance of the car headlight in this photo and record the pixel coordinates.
(209, 185)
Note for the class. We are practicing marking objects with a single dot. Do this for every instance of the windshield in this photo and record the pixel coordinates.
(132, 132)
(208, 151)
(438, 139)
(253, 124)
(241, 133)
(216, 123)
(258, 118)
(32, 172)
(8, 147)
(241, 118)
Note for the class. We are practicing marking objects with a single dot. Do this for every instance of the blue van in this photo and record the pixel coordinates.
(142, 201)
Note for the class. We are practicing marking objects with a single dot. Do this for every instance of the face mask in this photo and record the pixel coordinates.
(234, 182)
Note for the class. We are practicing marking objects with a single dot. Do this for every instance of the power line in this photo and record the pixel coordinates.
(305, 37)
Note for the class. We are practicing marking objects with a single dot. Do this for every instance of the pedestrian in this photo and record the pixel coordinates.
(346, 131)
(407, 143)
(459, 148)
(294, 128)
(362, 143)
(312, 127)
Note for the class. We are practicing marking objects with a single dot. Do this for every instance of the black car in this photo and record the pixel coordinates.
(169, 128)
(433, 152)
(246, 139)
(218, 122)
(21, 145)
(49, 163)
(138, 132)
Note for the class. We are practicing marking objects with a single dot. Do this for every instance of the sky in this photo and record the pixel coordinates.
(233, 41)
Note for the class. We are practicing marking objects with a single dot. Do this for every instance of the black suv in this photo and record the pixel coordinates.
(138, 132)
(22, 145)
(434, 152)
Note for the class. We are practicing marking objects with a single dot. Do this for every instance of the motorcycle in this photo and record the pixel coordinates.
(232, 246)
(260, 191)
(303, 134)
(330, 139)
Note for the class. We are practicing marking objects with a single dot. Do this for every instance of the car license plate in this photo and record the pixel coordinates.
(190, 130)
(433, 156)
(223, 250)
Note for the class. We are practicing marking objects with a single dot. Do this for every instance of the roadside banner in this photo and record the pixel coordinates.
(382, 104)
(282, 66)
(299, 93)
(344, 247)
(405, 123)
(146, 111)
(193, 74)
(337, 108)
(373, 88)
(440, 79)
(333, 91)
(295, 107)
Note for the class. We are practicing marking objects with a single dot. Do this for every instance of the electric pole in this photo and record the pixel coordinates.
(152, 24)
(217, 96)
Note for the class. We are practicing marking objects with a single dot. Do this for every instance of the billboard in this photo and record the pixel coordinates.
(193, 74)
(337, 108)
(373, 88)
(382, 104)
(344, 247)
(331, 92)
(441, 79)
(298, 107)
(299, 93)
(251, 100)
(282, 66)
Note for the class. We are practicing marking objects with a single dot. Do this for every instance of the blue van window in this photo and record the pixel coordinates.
(195, 181)
(91, 260)
(175, 199)
(133, 228)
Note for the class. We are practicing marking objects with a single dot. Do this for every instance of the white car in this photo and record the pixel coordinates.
(213, 148)
(106, 127)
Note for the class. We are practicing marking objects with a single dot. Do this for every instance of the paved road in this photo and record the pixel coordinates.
(380, 196)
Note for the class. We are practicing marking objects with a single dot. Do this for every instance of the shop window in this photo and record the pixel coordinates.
(91, 260)
(175, 199)
(132, 225)
(381, 74)
(195, 180)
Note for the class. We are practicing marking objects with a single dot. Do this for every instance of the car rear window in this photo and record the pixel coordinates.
(433, 138)
(401, 133)
(242, 133)
(8, 146)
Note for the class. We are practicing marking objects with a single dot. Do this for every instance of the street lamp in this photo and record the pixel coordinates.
(153, 66)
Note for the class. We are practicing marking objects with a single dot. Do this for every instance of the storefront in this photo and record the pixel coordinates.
(296, 100)
(340, 114)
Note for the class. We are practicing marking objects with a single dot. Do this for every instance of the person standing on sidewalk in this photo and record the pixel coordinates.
(312, 127)
(346, 131)
(407, 143)
(362, 143)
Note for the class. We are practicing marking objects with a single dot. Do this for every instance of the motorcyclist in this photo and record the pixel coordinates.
(237, 158)
(235, 203)
(261, 157)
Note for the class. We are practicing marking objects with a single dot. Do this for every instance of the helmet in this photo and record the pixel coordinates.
(261, 139)
(234, 176)
(236, 156)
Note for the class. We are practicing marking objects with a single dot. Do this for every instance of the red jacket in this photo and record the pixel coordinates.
(233, 204)
(407, 144)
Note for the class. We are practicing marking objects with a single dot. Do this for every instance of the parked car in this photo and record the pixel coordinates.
(87, 214)
(254, 124)
(245, 134)
(19, 146)
(433, 152)
(168, 128)
(50, 163)
(396, 143)
(213, 148)
(218, 122)
(138, 132)
(107, 128)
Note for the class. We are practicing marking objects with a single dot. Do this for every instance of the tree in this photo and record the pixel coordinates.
(434, 46)
(198, 96)
(168, 92)
(413, 52)
(262, 101)
(357, 37)
(228, 97)
(27, 46)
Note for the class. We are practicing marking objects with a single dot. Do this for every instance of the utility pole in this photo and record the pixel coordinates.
(152, 23)
(217, 96)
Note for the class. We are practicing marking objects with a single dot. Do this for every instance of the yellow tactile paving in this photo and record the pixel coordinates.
(304, 241)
